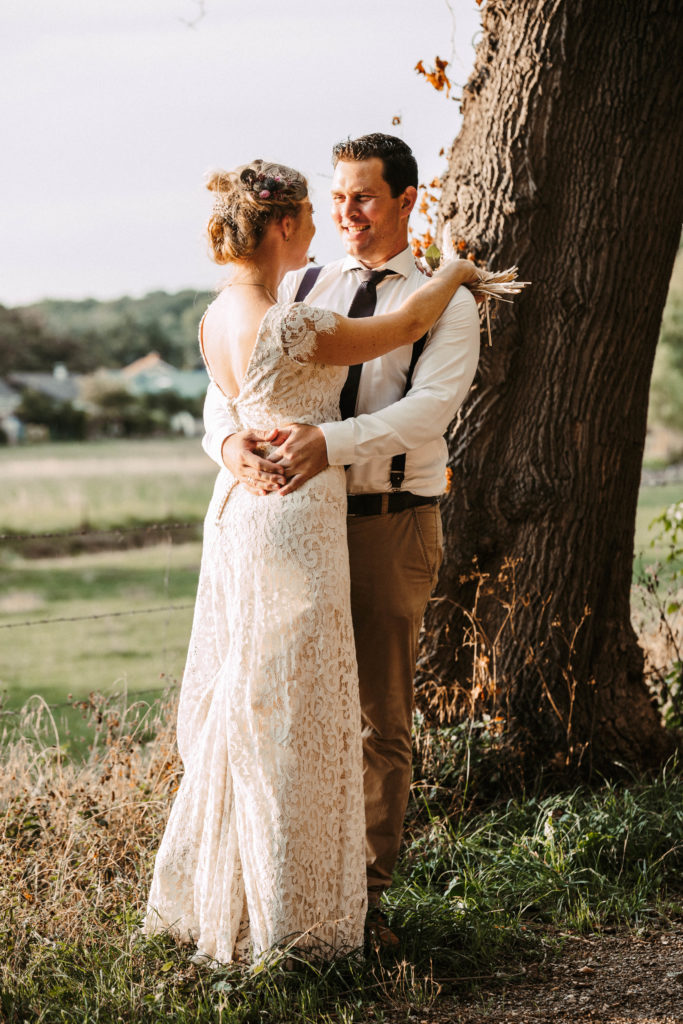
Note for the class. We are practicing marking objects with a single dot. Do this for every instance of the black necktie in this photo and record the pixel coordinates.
(364, 302)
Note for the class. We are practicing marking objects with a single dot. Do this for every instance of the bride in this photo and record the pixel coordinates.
(265, 844)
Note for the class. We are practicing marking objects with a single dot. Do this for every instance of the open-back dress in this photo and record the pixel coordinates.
(265, 844)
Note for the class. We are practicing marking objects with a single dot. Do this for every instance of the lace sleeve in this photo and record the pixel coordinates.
(299, 329)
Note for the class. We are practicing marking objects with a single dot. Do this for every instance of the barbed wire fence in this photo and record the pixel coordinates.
(154, 530)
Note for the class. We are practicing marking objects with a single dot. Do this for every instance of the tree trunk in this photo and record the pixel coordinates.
(568, 164)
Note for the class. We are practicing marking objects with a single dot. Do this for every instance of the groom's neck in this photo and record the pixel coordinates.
(378, 260)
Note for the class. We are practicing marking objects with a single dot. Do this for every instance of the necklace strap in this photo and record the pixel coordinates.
(254, 284)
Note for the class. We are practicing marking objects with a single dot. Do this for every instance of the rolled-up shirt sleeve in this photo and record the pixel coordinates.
(217, 424)
(443, 376)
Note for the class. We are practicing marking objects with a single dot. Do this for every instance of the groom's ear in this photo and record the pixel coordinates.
(408, 200)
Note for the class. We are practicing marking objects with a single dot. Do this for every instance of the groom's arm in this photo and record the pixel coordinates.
(442, 379)
(443, 376)
(218, 425)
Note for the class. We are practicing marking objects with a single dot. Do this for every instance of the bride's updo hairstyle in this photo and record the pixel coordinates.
(246, 200)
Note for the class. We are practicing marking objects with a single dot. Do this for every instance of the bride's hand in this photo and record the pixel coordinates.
(466, 273)
(460, 272)
(240, 454)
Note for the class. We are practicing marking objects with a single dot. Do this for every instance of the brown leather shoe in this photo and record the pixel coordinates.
(377, 931)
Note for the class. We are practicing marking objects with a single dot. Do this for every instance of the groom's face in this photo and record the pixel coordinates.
(372, 223)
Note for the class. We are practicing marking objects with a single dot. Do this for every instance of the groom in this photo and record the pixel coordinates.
(394, 524)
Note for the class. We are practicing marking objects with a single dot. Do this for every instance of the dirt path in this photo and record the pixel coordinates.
(620, 978)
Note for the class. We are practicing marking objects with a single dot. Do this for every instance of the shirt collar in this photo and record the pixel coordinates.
(402, 263)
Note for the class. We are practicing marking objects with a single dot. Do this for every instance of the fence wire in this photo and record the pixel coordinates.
(113, 531)
(98, 615)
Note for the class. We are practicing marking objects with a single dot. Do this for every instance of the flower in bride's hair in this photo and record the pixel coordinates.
(264, 194)
(248, 176)
(221, 207)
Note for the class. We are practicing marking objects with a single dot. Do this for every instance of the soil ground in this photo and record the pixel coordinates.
(618, 978)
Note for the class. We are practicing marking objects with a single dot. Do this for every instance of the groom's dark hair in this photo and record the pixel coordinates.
(400, 166)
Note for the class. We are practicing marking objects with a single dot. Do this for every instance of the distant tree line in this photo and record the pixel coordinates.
(87, 335)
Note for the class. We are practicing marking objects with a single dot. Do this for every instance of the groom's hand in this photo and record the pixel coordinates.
(240, 455)
(302, 454)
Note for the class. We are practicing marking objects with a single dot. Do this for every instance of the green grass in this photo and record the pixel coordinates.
(103, 484)
(475, 898)
(130, 649)
(579, 860)
(138, 651)
(60, 487)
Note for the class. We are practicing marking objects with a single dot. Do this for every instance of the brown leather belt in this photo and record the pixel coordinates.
(378, 504)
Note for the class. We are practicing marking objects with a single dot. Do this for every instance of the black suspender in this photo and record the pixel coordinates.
(398, 463)
(307, 282)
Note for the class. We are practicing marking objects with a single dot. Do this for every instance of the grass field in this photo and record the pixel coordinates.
(139, 644)
(102, 484)
(133, 645)
(138, 647)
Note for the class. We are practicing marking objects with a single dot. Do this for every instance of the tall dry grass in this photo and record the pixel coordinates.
(479, 893)
(77, 838)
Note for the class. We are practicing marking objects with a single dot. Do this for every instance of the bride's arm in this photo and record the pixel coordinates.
(353, 341)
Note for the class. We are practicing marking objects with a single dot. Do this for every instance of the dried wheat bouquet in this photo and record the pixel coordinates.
(500, 285)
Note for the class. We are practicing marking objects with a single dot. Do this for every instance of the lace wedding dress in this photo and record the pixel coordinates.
(265, 844)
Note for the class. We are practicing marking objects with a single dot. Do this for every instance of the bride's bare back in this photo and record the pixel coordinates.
(229, 331)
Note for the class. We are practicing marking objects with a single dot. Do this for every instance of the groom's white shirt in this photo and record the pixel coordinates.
(386, 423)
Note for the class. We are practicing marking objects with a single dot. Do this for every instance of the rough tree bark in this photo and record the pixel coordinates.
(568, 164)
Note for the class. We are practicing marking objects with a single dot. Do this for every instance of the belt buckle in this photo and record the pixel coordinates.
(384, 504)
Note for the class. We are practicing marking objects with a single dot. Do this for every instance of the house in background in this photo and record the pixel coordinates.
(60, 385)
(50, 405)
(148, 377)
(151, 376)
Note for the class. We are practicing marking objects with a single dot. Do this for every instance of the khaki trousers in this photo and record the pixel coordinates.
(395, 559)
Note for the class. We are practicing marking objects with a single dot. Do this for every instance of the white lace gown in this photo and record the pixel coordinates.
(265, 844)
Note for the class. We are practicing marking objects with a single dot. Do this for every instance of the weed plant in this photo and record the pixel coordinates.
(657, 611)
(479, 893)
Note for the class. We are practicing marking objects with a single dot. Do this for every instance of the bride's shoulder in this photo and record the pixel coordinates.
(300, 316)
(299, 325)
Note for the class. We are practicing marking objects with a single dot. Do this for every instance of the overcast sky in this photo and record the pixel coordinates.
(113, 110)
